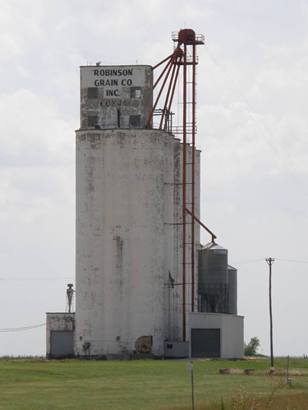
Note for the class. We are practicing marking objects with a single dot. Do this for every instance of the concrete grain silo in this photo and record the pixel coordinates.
(127, 199)
(137, 222)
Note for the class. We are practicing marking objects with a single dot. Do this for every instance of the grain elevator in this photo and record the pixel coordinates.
(139, 290)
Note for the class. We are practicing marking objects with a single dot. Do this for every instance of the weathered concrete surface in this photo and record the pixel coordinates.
(231, 331)
(59, 321)
(115, 96)
(128, 240)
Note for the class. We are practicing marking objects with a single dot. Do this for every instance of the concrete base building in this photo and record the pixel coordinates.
(60, 335)
(216, 335)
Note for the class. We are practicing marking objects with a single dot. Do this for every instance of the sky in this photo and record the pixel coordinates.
(252, 87)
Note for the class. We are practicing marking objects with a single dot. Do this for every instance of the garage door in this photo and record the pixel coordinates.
(205, 342)
(61, 343)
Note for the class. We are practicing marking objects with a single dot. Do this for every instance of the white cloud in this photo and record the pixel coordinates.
(252, 91)
(32, 132)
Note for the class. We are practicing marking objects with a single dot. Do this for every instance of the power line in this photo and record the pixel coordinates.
(248, 261)
(21, 329)
(262, 260)
(7, 278)
(291, 260)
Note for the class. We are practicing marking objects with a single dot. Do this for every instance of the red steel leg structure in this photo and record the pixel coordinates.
(183, 56)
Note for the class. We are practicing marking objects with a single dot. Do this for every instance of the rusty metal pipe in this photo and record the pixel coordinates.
(184, 193)
(173, 88)
(165, 59)
(167, 96)
(160, 91)
(203, 226)
(193, 158)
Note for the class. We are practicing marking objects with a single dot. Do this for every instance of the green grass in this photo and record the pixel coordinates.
(143, 384)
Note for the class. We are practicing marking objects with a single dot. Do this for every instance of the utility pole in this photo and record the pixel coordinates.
(270, 261)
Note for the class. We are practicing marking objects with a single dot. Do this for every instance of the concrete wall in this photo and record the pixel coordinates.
(128, 239)
(59, 321)
(115, 96)
(231, 327)
(176, 350)
(233, 336)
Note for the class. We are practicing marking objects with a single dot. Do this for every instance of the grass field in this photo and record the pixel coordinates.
(149, 384)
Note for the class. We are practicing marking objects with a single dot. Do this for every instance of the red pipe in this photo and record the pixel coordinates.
(203, 226)
(193, 147)
(160, 91)
(163, 72)
(165, 59)
(184, 191)
(173, 89)
(164, 114)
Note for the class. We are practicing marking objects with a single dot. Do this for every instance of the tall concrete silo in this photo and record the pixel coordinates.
(137, 222)
(128, 213)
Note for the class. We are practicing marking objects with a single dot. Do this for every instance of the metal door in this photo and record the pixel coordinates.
(205, 342)
(61, 343)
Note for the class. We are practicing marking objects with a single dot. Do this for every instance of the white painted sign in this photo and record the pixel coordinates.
(114, 80)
